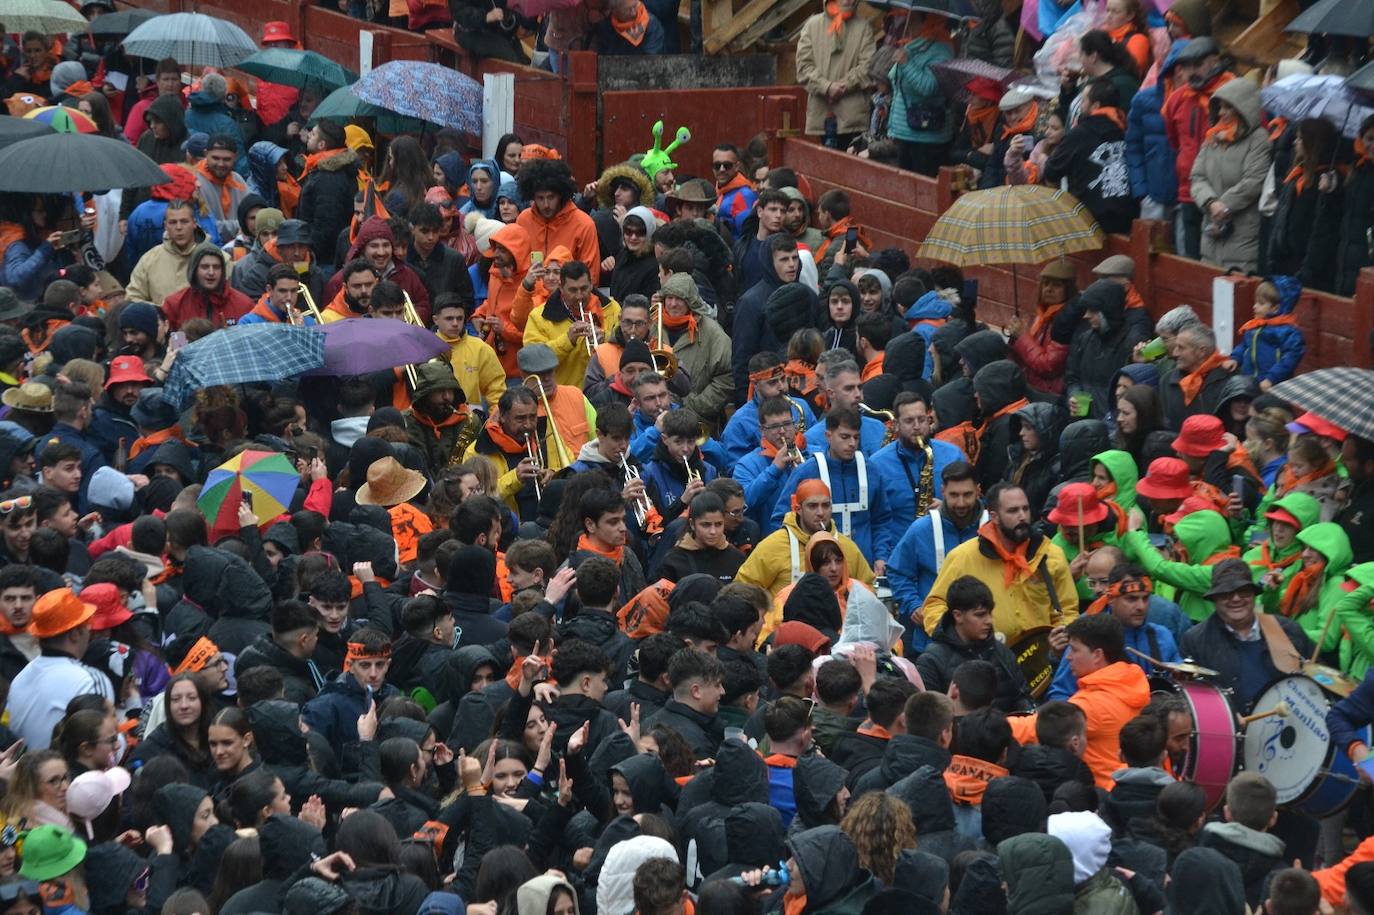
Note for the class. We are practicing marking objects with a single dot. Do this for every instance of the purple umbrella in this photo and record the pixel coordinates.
(357, 346)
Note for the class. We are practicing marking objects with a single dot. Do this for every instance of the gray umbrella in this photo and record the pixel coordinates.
(1338, 395)
(72, 162)
(192, 39)
(12, 130)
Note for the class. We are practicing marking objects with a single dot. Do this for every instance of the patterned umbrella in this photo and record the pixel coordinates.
(426, 91)
(254, 352)
(1338, 395)
(192, 39)
(48, 17)
(63, 119)
(289, 67)
(1296, 97)
(343, 105)
(955, 75)
(1020, 224)
(266, 477)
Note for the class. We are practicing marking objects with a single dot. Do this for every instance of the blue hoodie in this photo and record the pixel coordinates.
(451, 164)
(511, 191)
(489, 166)
(929, 307)
(210, 116)
(263, 157)
(1149, 156)
(1272, 352)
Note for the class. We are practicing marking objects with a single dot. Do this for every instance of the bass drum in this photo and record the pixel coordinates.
(1294, 751)
(1032, 653)
(1212, 752)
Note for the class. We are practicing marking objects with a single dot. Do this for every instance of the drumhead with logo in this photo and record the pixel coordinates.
(1290, 750)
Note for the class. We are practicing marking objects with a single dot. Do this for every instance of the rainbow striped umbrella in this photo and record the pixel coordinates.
(267, 477)
(63, 119)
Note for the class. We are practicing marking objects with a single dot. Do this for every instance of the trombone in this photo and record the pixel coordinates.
(661, 352)
(642, 505)
(532, 451)
(309, 303)
(412, 317)
(534, 382)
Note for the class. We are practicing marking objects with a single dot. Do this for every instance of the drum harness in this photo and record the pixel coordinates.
(846, 510)
(937, 530)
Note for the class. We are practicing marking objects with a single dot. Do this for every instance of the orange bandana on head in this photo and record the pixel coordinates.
(357, 651)
(634, 30)
(808, 489)
(768, 374)
(199, 655)
(837, 17)
(1118, 588)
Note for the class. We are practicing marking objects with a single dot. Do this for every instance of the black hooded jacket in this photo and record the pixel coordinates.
(904, 755)
(702, 732)
(1037, 474)
(953, 401)
(829, 865)
(738, 777)
(1095, 356)
(468, 588)
(282, 746)
(947, 651)
(168, 110)
(815, 782)
(1050, 767)
(812, 601)
(1080, 440)
(602, 630)
(753, 838)
(1093, 157)
(230, 593)
(650, 788)
(999, 385)
(287, 844)
(751, 332)
(301, 679)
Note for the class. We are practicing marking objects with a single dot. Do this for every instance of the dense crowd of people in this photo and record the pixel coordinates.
(725, 562)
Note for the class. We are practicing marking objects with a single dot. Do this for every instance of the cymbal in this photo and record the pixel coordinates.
(1330, 679)
(1188, 669)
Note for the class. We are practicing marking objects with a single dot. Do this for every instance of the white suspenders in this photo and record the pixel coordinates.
(937, 530)
(846, 510)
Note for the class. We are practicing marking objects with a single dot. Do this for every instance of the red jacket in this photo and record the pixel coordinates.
(1042, 359)
(221, 308)
(1186, 119)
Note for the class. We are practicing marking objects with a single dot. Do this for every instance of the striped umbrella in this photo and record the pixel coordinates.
(267, 478)
(1338, 395)
(192, 40)
(63, 119)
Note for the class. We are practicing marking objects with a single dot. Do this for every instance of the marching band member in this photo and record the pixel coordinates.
(844, 389)
(777, 561)
(700, 344)
(474, 362)
(571, 322)
(901, 465)
(436, 415)
(634, 324)
(506, 442)
(573, 417)
(763, 471)
(677, 474)
(766, 380)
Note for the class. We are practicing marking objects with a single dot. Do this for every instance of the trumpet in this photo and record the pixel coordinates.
(534, 383)
(692, 475)
(642, 505)
(412, 317)
(589, 319)
(798, 431)
(532, 451)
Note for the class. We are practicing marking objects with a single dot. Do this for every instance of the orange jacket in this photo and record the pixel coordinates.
(1109, 698)
(501, 296)
(967, 778)
(1332, 879)
(569, 227)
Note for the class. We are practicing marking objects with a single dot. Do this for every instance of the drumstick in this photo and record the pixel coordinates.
(1281, 710)
(1316, 652)
(1080, 525)
(1146, 657)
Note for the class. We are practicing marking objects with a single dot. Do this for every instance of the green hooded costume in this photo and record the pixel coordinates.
(1330, 540)
(1353, 615)
(1263, 558)
(1206, 536)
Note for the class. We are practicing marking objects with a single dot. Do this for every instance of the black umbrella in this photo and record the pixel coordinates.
(1361, 81)
(1354, 18)
(71, 162)
(12, 130)
(117, 25)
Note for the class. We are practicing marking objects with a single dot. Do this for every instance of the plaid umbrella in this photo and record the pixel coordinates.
(1019, 224)
(425, 91)
(192, 39)
(955, 75)
(63, 119)
(266, 477)
(253, 352)
(1338, 395)
(289, 67)
(48, 17)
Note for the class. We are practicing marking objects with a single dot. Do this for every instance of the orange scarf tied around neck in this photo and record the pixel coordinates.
(1300, 588)
(1191, 384)
(1043, 316)
(686, 322)
(837, 18)
(501, 439)
(1025, 125)
(1014, 561)
(1270, 565)
(1288, 481)
(980, 123)
(634, 30)
(616, 555)
(1298, 175)
(1225, 130)
(1362, 159)
(226, 189)
(1115, 115)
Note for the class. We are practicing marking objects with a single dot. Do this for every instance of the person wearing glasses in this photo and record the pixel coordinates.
(766, 380)
(38, 791)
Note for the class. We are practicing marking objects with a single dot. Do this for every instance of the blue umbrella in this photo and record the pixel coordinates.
(252, 352)
(425, 91)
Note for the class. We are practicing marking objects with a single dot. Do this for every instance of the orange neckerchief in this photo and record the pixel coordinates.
(1231, 552)
(793, 905)
(1277, 126)
(876, 731)
(1118, 588)
(780, 761)
(289, 194)
(1288, 481)
(1025, 125)
(1270, 565)
(980, 124)
(773, 371)
(153, 439)
(1191, 384)
(616, 555)
(837, 18)
(1044, 314)
(634, 30)
(874, 368)
(50, 327)
(1362, 156)
(770, 450)
(456, 418)
(1106, 491)
(1289, 319)
(1014, 561)
(315, 159)
(687, 322)
(8, 628)
(1225, 129)
(501, 439)
(1240, 460)
(1300, 587)
(1133, 299)
(232, 183)
(1115, 115)
(1299, 175)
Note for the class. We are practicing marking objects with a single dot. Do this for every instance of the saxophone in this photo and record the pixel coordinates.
(927, 478)
(467, 434)
(887, 417)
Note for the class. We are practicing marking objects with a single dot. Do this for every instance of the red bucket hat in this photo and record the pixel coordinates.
(1200, 436)
(277, 30)
(1078, 500)
(1311, 422)
(127, 368)
(985, 88)
(109, 609)
(1167, 478)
